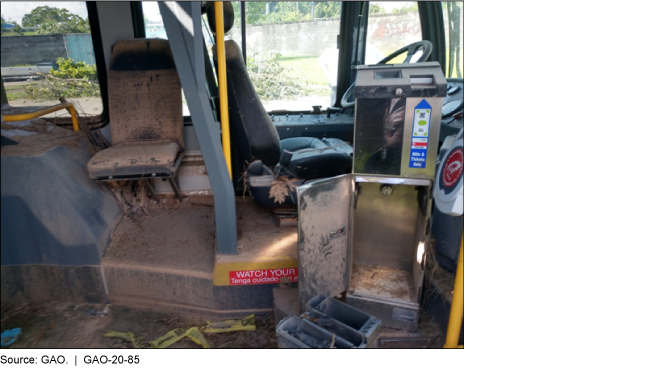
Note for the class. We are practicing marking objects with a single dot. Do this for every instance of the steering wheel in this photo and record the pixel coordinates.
(427, 48)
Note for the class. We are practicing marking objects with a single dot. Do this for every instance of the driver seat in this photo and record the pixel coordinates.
(255, 139)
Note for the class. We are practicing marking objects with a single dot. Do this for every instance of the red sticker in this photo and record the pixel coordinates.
(256, 277)
(453, 168)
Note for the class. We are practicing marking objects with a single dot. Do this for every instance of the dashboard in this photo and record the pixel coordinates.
(335, 124)
(327, 124)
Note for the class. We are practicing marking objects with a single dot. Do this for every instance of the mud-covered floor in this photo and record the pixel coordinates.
(77, 326)
(155, 241)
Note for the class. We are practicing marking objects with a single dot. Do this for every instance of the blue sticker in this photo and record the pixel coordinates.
(420, 138)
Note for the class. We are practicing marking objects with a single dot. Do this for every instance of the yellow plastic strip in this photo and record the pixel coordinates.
(246, 324)
(128, 336)
(223, 93)
(39, 113)
(195, 334)
(177, 334)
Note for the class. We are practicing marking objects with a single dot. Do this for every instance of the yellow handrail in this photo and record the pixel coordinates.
(456, 314)
(39, 113)
(223, 93)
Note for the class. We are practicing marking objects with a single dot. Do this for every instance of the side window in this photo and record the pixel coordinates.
(291, 52)
(154, 28)
(47, 53)
(391, 26)
(452, 12)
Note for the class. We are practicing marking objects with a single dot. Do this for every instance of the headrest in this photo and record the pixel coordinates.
(228, 16)
(142, 54)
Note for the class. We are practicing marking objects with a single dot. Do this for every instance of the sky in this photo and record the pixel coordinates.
(15, 10)
(151, 11)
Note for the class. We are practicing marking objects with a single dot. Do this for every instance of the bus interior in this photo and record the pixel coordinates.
(130, 176)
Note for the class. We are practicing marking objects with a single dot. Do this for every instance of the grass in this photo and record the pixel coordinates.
(12, 96)
(15, 92)
(308, 69)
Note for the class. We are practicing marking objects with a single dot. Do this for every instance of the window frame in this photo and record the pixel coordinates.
(100, 62)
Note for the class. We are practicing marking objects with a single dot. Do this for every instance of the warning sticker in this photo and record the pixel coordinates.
(420, 138)
(256, 277)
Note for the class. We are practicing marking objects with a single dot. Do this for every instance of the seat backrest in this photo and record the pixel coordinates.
(144, 93)
(252, 126)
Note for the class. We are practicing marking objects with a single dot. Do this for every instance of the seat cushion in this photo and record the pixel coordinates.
(313, 158)
(144, 93)
(133, 160)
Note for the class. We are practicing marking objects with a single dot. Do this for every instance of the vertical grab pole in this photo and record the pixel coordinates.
(221, 76)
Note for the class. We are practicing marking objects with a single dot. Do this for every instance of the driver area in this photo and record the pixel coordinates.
(255, 139)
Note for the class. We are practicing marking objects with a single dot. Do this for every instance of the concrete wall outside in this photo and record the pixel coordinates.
(17, 50)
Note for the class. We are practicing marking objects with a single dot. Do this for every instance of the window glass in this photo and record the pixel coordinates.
(452, 12)
(291, 52)
(391, 26)
(154, 28)
(47, 53)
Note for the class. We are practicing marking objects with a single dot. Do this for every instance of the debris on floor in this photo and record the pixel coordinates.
(194, 333)
(57, 325)
(177, 334)
(128, 336)
(100, 313)
(246, 324)
(10, 336)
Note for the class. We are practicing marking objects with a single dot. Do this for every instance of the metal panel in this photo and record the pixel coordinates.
(384, 226)
(110, 14)
(392, 313)
(392, 180)
(324, 237)
(180, 28)
(388, 100)
(80, 47)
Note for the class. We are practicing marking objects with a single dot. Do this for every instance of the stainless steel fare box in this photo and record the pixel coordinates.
(364, 233)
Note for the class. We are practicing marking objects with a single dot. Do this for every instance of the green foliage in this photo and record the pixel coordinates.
(377, 9)
(75, 25)
(73, 79)
(407, 8)
(50, 89)
(285, 11)
(272, 80)
(42, 14)
(68, 68)
(55, 21)
(327, 9)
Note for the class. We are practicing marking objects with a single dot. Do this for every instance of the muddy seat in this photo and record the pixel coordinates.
(146, 118)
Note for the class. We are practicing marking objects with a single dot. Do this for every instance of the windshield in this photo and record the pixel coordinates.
(291, 48)
(452, 13)
(291, 52)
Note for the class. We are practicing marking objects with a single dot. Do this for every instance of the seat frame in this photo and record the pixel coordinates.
(148, 179)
